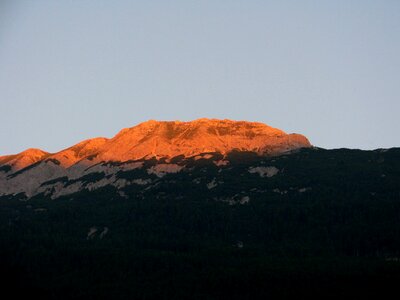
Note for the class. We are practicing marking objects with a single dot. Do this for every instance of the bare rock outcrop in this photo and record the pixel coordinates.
(30, 171)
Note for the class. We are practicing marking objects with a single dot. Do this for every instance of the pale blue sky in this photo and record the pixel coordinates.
(71, 70)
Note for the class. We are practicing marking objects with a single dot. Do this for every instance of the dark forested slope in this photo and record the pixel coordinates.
(321, 223)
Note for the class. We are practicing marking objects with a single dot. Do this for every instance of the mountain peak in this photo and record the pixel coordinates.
(23, 159)
(28, 171)
(168, 139)
(34, 151)
(173, 138)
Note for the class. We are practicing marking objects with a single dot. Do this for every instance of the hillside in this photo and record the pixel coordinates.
(310, 223)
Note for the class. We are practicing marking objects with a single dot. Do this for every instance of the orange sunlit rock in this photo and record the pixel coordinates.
(169, 139)
(76, 153)
(23, 159)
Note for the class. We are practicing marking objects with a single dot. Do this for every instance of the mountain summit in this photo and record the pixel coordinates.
(174, 138)
(169, 139)
(163, 140)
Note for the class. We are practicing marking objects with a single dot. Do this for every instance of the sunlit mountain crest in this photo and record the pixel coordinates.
(34, 171)
(169, 139)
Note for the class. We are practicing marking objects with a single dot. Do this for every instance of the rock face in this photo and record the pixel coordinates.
(23, 159)
(170, 139)
(27, 171)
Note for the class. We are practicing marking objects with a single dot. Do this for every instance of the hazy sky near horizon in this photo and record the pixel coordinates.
(72, 70)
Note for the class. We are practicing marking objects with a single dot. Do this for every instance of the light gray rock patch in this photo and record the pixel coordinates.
(264, 171)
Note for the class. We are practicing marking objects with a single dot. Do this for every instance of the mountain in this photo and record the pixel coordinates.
(311, 223)
(208, 209)
(170, 139)
(28, 171)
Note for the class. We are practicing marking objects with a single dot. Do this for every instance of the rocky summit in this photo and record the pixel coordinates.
(28, 171)
(208, 209)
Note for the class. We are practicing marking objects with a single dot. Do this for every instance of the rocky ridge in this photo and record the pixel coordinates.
(30, 172)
